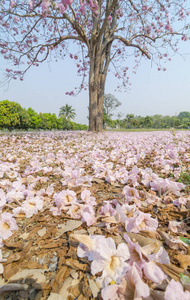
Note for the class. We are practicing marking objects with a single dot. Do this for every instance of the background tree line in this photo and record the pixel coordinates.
(14, 116)
(130, 121)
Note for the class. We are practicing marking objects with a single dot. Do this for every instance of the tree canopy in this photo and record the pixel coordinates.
(13, 116)
(110, 103)
(67, 112)
(103, 32)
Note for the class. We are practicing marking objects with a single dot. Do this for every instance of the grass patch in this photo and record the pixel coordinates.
(185, 179)
(142, 129)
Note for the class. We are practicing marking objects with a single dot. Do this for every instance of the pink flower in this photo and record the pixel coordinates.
(130, 192)
(113, 292)
(104, 256)
(32, 205)
(148, 176)
(177, 227)
(131, 195)
(7, 224)
(159, 185)
(174, 187)
(181, 201)
(140, 221)
(76, 210)
(65, 198)
(87, 245)
(161, 256)
(153, 272)
(45, 5)
(87, 198)
(21, 212)
(135, 252)
(175, 291)
(110, 261)
(131, 287)
(2, 199)
(123, 210)
(107, 209)
(88, 215)
(135, 283)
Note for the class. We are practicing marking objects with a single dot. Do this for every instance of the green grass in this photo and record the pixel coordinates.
(185, 179)
(142, 129)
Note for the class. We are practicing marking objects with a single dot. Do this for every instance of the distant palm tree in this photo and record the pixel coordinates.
(68, 112)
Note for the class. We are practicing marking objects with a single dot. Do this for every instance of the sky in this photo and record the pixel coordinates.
(151, 91)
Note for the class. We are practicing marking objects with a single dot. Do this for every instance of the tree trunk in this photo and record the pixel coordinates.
(96, 94)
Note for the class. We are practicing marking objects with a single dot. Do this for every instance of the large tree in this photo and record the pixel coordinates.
(110, 103)
(103, 31)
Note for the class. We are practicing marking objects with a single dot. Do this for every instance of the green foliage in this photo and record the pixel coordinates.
(13, 116)
(185, 178)
(182, 121)
(110, 103)
(107, 121)
(185, 240)
(185, 280)
(67, 112)
(184, 114)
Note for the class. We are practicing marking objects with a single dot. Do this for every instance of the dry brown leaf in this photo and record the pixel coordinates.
(33, 265)
(24, 236)
(111, 219)
(172, 242)
(150, 234)
(42, 231)
(41, 286)
(77, 265)
(94, 288)
(14, 257)
(184, 260)
(84, 287)
(51, 245)
(70, 225)
(171, 270)
(16, 245)
(36, 274)
(157, 295)
(75, 289)
(10, 270)
(144, 241)
(57, 282)
(55, 296)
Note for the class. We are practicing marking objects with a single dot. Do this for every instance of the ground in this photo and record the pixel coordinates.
(39, 258)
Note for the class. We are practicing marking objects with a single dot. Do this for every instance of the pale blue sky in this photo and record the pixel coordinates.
(152, 92)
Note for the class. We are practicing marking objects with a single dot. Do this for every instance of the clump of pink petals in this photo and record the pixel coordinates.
(7, 225)
(88, 215)
(131, 287)
(140, 221)
(175, 291)
(32, 206)
(87, 198)
(105, 257)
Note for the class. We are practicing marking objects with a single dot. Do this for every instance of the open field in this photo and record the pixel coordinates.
(95, 216)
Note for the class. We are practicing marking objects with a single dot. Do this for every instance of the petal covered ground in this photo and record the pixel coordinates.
(95, 216)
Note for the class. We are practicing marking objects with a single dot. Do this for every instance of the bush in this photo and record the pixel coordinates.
(13, 116)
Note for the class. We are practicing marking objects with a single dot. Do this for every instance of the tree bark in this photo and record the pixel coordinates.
(96, 102)
(96, 93)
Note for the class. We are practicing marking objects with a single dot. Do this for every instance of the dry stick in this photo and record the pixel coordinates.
(12, 287)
